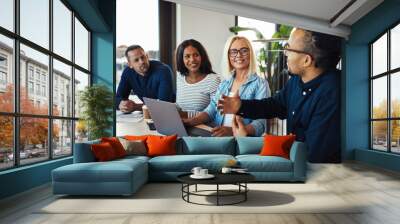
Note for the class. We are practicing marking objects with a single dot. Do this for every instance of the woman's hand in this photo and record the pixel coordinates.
(221, 131)
(238, 127)
(188, 121)
(183, 114)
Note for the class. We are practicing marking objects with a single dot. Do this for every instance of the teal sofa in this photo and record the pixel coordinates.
(125, 176)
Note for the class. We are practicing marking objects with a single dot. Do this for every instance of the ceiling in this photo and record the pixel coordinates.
(327, 16)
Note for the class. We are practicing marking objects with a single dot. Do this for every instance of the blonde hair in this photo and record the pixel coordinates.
(227, 68)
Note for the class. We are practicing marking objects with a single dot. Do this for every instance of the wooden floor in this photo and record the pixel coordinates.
(377, 188)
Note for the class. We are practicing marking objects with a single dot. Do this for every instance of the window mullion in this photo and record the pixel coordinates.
(50, 81)
(73, 82)
(389, 106)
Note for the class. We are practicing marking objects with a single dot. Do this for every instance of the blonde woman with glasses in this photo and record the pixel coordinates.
(239, 68)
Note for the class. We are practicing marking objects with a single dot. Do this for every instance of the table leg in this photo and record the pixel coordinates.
(217, 194)
(245, 191)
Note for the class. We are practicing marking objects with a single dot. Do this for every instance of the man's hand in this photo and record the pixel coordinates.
(221, 131)
(127, 106)
(238, 127)
(229, 105)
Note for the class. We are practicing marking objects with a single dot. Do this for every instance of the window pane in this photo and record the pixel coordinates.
(81, 45)
(379, 97)
(395, 95)
(6, 142)
(379, 135)
(34, 97)
(62, 141)
(6, 74)
(35, 21)
(395, 47)
(62, 89)
(81, 81)
(33, 139)
(81, 131)
(395, 136)
(7, 14)
(379, 55)
(62, 29)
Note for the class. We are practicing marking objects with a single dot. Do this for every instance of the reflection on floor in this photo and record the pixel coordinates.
(377, 188)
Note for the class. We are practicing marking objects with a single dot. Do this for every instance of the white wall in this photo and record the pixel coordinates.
(210, 28)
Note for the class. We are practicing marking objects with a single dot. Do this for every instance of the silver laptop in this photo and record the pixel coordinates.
(167, 120)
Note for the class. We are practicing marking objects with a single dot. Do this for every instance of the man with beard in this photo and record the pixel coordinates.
(310, 101)
(146, 78)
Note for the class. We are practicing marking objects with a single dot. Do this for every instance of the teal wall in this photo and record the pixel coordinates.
(24, 178)
(103, 52)
(99, 16)
(356, 83)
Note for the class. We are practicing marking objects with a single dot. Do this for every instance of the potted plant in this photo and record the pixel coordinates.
(96, 103)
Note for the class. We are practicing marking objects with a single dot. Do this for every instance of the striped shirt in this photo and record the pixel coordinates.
(195, 97)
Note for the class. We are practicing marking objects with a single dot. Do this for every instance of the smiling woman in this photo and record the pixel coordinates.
(196, 81)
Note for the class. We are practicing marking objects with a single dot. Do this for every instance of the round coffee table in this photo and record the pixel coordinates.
(238, 179)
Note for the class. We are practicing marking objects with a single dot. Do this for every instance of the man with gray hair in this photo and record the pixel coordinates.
(310, 101)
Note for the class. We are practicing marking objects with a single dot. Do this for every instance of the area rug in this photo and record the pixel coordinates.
(167, 198)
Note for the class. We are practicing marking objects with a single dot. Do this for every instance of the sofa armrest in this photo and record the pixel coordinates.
(83, 152)
(298, 155)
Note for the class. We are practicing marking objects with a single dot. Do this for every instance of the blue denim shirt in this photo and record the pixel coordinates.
(254, 88)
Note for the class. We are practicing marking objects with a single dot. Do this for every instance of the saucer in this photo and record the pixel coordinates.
(208, 176)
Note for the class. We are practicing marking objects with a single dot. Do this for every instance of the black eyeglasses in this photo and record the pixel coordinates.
(286, 48)
(244, 51)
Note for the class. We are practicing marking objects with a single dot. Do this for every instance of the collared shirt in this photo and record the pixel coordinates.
(157, 83)
(312, 111)
(254, 88)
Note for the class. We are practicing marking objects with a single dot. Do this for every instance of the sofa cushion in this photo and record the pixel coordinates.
(116, 145)
(112, 171)
(249, 145)
(83, 152)
(103, 151)
(134, 147)
(277, 145)
(207, 145)
(257, 163)
(185, 163)
(161, 145)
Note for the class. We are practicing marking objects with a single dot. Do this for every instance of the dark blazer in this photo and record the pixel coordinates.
(312, 111)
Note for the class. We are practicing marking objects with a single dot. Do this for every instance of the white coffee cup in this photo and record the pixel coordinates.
(226, 170)
(203, 172)
(196, 171)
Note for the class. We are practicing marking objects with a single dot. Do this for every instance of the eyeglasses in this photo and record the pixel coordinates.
(286, 49)
(244, 51)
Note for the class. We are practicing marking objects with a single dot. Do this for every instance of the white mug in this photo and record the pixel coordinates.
(203, 172)
(226, 170)
(196, 171)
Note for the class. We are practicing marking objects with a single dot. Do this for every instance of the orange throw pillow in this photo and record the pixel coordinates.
(116, 145)
(161, 145)
(103, 151)
(277, 145)
(136, 137)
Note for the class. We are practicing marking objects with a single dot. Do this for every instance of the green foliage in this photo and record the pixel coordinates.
(237, 29)
(97, 104)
